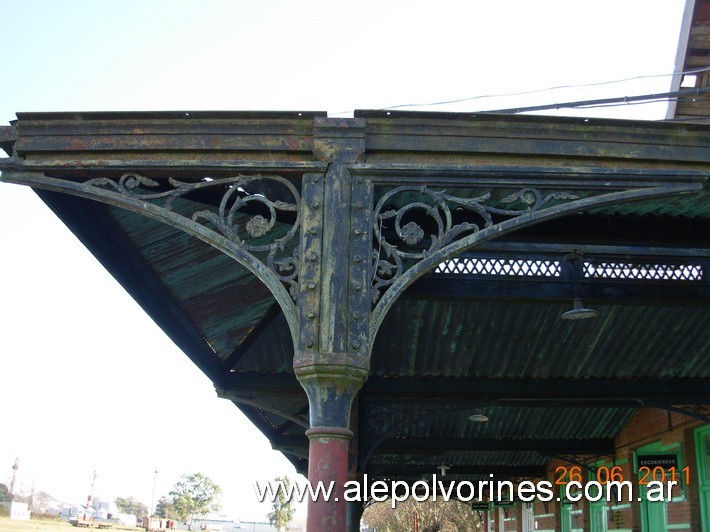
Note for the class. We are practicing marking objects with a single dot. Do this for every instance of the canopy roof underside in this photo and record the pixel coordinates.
(480, 332)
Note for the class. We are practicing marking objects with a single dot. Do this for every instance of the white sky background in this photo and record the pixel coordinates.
(75, 350)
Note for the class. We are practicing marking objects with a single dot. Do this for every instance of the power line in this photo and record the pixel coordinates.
(558, 87)
(593, 103)
(606, 102)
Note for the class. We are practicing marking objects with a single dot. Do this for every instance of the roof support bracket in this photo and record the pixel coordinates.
(273, 259)
(398, 262)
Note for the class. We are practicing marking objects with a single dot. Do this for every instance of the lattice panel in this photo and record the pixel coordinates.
(646, 272)
(500, 267)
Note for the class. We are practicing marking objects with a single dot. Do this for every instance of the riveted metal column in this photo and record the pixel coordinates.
(354, 508)
(332, 359)
(330, 389)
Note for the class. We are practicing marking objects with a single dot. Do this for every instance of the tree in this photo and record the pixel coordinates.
(431, 516)
(282, 511)
(165, 509)
(194, 496)
(4, 493)
(128, 505)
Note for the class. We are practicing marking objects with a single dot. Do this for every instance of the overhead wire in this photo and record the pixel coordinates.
(590, 104)
(548, 89)
(607, 102)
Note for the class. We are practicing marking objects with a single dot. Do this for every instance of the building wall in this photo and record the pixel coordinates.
(650, 432)
(654, 431)
(17, 510)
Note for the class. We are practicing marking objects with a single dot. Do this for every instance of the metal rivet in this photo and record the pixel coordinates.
(357, 205)
(358, 232)
(311, 286)
(355, 316)
(313, 231)
(357, 259)
(309, 342)
(355, 345)
(357, 285)
(311, 315)
(312, 257)
(315, 205)
(315, 179)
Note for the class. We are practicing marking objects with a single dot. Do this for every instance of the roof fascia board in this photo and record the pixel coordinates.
(683, 38)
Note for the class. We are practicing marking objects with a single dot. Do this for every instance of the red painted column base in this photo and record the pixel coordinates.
(328, 463)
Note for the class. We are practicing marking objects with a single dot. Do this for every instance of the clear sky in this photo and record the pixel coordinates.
(75, 351)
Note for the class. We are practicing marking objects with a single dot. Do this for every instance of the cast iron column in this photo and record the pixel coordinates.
(331, 388)
(331, 358)
(354, 515)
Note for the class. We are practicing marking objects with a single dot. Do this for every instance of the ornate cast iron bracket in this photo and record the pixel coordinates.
(402, 250)
(233, 200)
(389, 257)
(270, 253)
(410, 251)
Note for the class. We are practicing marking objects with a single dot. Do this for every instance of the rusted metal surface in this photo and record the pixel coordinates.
(222, 298)
(125, 196)
(8, 136)
(403, 132)
(326, 457)
(339, 217)
(497, 230)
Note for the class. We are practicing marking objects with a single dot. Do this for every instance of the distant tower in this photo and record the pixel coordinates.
(14, 477)
(90, 498)
(93, 484)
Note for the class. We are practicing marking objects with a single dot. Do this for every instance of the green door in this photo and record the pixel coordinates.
(654, 514)
(702, 450)
(569, 513)
(598, 517)
(566, 515)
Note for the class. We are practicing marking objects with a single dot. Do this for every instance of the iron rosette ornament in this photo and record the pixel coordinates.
(412, 223)
(267, 228)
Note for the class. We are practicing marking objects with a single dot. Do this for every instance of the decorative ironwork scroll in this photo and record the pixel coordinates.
(405, 246)
(256, 219)
(400, 240)
(235, 217)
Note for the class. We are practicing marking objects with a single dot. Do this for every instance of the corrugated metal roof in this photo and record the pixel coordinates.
(441, 339)
(444, 341)
(693, 206)
(223, 299)
(529, 340)
(525, 422)
(462, 458)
